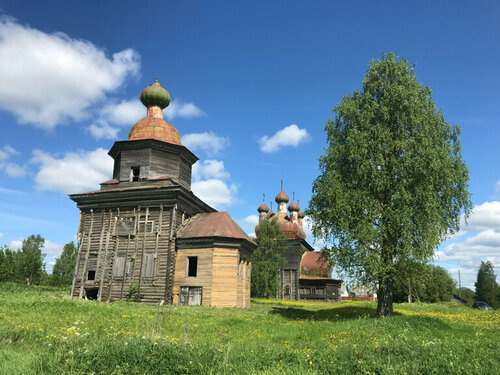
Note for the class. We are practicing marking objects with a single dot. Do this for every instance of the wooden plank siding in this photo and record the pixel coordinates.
(218, 275)
(100, 246)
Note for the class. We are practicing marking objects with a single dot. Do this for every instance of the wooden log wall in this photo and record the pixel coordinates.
(147, 253)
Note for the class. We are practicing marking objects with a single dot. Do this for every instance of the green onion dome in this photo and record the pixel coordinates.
(282, 197)
(301, 215)
(263, 208)
(155, 95)
(293, 207)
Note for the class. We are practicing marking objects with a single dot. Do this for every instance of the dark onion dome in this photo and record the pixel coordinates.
(301, 215)
(293, 207)
(282, 197)
(263, 207)
(155, 95)
(270, 213)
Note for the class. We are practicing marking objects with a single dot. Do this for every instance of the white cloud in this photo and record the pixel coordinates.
(16, 244)
(208, 142)
(48, 79)
(126, 112)
(208, 169)
(484, 216)
(11, 169)
(290, 135)
(209, 185)
(52, 249)
(216, 193)
(479, 240)
(74, 173)
(250, 222)
(6, 152)
(183, 110)
(101, 129)
(15, 170)
(1, 234)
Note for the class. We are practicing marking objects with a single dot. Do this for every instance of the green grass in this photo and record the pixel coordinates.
(43, 331)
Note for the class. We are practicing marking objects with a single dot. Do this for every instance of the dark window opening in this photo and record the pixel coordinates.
(134, 173)
(287, 290)
(91, 275)
(91, 293)
(192, 266)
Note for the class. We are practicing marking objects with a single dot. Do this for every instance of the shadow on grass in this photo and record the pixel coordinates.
(357, 312)
(337, 313)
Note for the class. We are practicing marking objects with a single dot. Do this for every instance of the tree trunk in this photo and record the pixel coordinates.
(385, 298)
(409, 291)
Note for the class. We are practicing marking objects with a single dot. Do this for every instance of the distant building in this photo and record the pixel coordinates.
(305, 275)
(146, 232)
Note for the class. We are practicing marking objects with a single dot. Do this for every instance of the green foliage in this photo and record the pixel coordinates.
(267, 258)
(467, 294)
(486, 285)
(427, 283)
(440, 286)
(62, 273)
(31, 264)
(9, 265)
(42, 331)
(392, 182)
(134, 293)
(25, 265)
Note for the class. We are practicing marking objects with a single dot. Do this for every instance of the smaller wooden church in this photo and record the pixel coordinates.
(146, 232)
(305, 275)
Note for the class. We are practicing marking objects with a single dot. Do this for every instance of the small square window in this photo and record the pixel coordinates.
(134, 173)
(192, 266)
(91, 275)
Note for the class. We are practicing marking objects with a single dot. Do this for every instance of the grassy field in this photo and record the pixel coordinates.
(43, 331)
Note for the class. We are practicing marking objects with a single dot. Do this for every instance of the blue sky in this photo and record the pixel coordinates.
(252, 85)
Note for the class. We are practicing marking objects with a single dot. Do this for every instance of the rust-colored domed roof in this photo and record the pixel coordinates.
(312, 265)
(154, 126)
(292, 230)
(301, 215)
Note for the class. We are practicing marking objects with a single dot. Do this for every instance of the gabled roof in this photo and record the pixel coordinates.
(215, 224)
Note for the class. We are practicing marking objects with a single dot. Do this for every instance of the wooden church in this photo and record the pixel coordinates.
(305, 275)
(146, 232)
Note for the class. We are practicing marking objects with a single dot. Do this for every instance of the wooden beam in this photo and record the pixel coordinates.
(125, 266)
(143, 247)
(79, 237)
(106, 250)
(169, 280)
(87, 254)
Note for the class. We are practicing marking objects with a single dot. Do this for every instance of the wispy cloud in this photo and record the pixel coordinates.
(48, 79)
(209, 142)
(11, 169)
(75, 172)
(290, 135)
